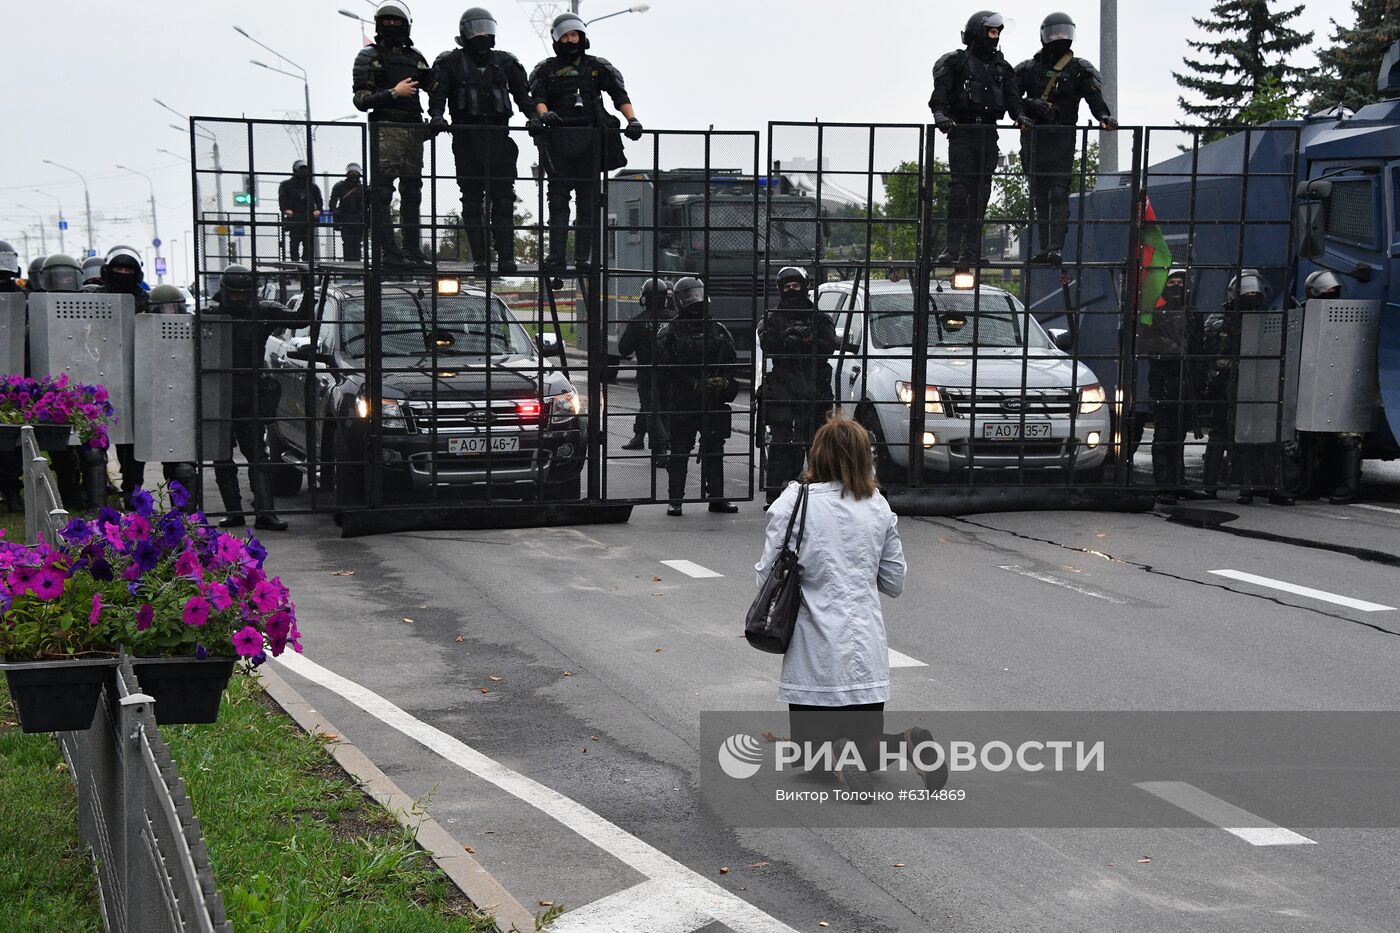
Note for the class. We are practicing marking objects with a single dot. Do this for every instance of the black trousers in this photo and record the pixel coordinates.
(249, 433)
(486, 159)
(1047, 157)
(711, 429)
(134, 471)
(791, 427)
(298, 233)
(1169, 409)
(352, 239)
(578, 176)
(972, 157)
(861, 723)
(648, 420)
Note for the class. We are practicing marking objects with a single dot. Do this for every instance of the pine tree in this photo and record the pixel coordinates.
(1254, 43)
(1347, 68)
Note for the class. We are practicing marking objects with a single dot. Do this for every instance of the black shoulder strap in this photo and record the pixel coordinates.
(801, 505)
(1057, 70)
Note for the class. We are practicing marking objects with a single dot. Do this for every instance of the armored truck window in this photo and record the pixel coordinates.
(1350, 214)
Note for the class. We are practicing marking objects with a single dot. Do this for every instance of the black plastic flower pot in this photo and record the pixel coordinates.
(186, 690)
(57, 696)
(46, 436)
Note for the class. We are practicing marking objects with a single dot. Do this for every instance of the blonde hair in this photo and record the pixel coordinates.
(840, 453)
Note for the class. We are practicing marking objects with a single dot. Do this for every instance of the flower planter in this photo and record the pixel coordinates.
(46, 436)
(186, 690)
(57, 696)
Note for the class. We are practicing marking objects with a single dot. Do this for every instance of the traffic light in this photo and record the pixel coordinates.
(245, 198)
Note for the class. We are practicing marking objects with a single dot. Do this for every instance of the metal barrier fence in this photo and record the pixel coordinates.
(152, 866)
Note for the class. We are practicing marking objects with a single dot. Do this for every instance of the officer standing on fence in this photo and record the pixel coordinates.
(255, 395)
(299, 200)
(698, 368)
(476, 84)
(797, 341)
(387, 76)
(567, 90)
(639, 338)
(973, 88)
(348, 211)
(1053, 83)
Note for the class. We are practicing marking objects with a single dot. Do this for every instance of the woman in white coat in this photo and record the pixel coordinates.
(836, 672)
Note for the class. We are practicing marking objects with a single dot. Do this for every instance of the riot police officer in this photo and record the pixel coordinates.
(639, 338)
(255, 396)
(973, 88)
(698, 368)
(476, 84)
(33, 280)
(92, 270)
(121, 274)
(61, 273)
(1253, 463)
(299, 200)
(797, 340)
(1053, 82)
(567, 90)
(347, 207)
(387, 75)
(10, 268)
(10, 469)
(1164, 338)
(1324, 285)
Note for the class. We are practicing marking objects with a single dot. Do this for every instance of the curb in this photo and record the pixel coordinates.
(478, 884)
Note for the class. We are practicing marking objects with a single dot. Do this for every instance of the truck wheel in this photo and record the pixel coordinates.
(887, 472)
(286, 477)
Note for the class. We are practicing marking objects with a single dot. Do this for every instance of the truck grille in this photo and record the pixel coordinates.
(1009, 403)
(466, 417)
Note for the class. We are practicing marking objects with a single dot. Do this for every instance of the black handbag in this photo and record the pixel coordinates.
(773, 615)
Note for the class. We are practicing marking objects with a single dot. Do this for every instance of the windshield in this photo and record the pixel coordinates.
(793, 227)
(996, 319)
(463, 327)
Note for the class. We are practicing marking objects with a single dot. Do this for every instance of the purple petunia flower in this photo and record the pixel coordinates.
(96, 612)
(47, 585)
(172, 532)
(260, 658)
(107, 516)
(133, 587)
(201, 652)
(179, 495)
(145, 557)
(247, 641)
(144, 616)
(142, 503)
(257, 551)
(100, 570)
(279, 625)
(196, 610)
(265, 596)
(76, 531)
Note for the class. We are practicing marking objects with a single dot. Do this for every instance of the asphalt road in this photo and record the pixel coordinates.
(572, 666)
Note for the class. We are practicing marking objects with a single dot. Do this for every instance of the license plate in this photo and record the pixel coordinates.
(1011, 430)
(495, 444)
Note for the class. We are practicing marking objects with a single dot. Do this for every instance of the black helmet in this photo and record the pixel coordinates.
(1321, 282)
(299, 167)
(690, 292)
(653, 289)
(92, 269)
(9, 260)
(1057, 27)
(566, 23)
(36, 274)
(393, 8)
(121, 270)
(791, 274)
(476, 22)
(237, 284)
(1248, 282)
(975, 32)
(166, 299)
(353, 169)
(62, 273)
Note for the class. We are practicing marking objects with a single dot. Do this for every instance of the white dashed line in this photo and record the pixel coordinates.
(1065, 584)
(687, 891)
(691, 569)
(1374, 508)
(1254, 830)
(1326, 597)
(903, 660)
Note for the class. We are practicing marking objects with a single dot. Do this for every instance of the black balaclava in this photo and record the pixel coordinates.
(478, 46)
(123, 278)
(1174, 293)
(570, 51)
(1056, 50)
(385, 34)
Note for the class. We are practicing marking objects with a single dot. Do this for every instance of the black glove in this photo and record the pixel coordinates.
(550, 118)
(1039, 108)
(438, 124)
(535, 127)
(944, 123)
(634, 129)
(1025, 122)
(1109, 123)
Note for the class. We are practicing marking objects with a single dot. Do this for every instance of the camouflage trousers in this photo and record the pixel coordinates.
(401, 150)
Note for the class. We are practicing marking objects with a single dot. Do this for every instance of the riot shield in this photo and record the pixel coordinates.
(89, 337)
(12, 333)
(163, 402)
(1337, 389)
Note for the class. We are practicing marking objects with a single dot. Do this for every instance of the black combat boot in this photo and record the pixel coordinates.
(1351, 473)
(232, 495)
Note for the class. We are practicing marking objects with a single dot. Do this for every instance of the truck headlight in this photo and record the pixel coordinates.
(391, 412)
(1091, 399)
(933, 401)
(565, 406)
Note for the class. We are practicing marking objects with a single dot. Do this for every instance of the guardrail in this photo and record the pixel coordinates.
(44, 514)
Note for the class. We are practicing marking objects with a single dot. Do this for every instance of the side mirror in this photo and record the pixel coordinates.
(549, 344)
(307, 354)
(1062, 339)
(1308, 222)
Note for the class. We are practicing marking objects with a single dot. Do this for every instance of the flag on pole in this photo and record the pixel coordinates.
(1155, 261)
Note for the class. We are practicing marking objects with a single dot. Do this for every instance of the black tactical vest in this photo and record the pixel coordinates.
(484, 94)
(572, 90)
(980, 93)
(390, 66)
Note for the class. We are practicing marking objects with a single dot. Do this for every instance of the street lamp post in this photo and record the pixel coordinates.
(155, 224)
(638, 8)
(43, 236)
(305, 84)
(87, 202)
(62, 247)
(361, 20)
(203, 134)
(1108, 62)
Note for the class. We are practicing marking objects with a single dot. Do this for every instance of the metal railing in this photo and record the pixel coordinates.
(44, 514)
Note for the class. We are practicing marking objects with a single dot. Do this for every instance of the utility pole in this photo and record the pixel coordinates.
(43, 236)
(61, 222)
(87, 203)
(1108, 67)
(155, 224)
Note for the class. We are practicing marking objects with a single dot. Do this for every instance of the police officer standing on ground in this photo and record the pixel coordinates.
(698, 371)
(567, 90)
(11, 471)
(797, 340)
(387, 75)
(299, 200)
(121, 274)
(973, 88)
(9, 268)
(1324, 285)
(476, 84)
(34, 280)
(61, 273)
(165, 299)
(255, 397)
(1053, 83)
(92, 270)
(639, 337)
(348, 212)
(1164, 337)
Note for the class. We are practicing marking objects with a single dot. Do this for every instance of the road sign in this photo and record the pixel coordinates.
(90, 253)
(221, 230)
(238, 231)
(156, 242)
(160, 265)
(63, 225)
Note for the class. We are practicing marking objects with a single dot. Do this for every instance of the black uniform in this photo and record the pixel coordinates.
(11, 470)
(94, 461)
(973, 87)
(797, 341)
(640, 337)
(397, 138)
(255, 396)
(477, 89)
(348, 213)
(1047, 152)
(699, 366)
(1165, 338)
(300, 195)
(573, 88)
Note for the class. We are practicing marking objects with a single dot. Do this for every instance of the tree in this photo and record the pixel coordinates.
(1254, 43)
(1347, 68)
(1270, 102)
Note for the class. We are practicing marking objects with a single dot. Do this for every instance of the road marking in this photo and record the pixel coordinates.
(1374, 508)
(903, 660)
(1307, 591)
(1254, 830)
(691, 569)
(1065, 584)
(687, 890)
(649, 907)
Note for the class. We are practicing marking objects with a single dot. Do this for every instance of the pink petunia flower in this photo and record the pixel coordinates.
(196, 610)
(47, 585)
(217, 594)
(96, 608)
(265, 596)
(187, 565)
(144, 616)
(247, 641)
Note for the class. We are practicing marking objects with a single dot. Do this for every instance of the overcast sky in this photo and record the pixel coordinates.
(80, 76)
